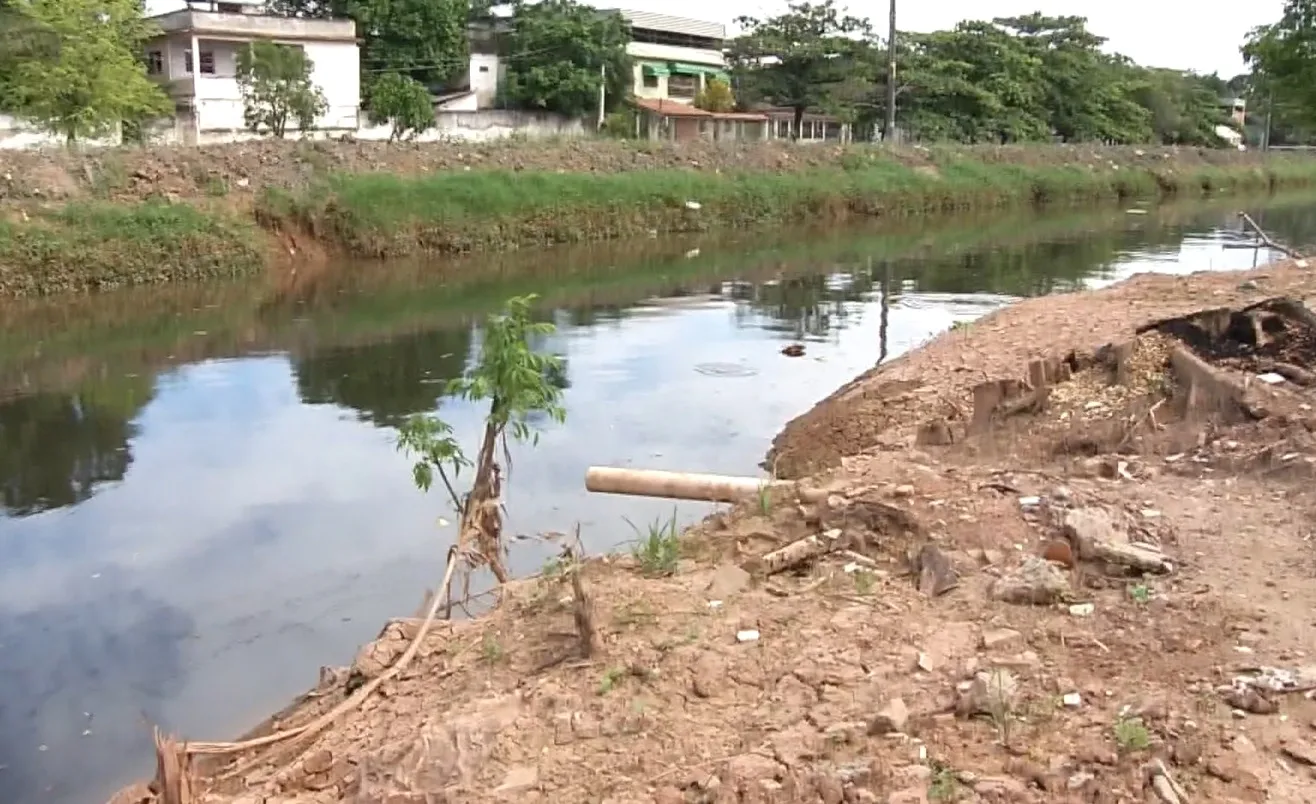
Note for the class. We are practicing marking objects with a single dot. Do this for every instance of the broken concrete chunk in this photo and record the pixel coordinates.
(891, 719)
(993, 692)
(1000, 637)
(1035, 580)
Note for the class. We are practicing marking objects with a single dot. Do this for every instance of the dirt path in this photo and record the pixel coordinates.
(1061, 595)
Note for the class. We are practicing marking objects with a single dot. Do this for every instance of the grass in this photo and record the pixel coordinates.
(659, 548)
(1131, 734)
(387, 215)
(99, 245)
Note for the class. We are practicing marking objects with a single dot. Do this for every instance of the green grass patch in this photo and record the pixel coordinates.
(98, 245)
(388, 215)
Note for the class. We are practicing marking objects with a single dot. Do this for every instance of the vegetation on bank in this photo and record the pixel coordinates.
(88, 246)
(100, 244)
(386, 215)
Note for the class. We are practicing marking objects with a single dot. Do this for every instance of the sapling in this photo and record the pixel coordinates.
(518, 383)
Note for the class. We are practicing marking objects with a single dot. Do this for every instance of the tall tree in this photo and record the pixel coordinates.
(799, 59)
(1283, 57)
(277, 89)
(561, 52)
(92, 80)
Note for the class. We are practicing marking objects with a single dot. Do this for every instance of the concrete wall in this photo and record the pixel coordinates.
(490, 124)
(16, 134)
(486, 73)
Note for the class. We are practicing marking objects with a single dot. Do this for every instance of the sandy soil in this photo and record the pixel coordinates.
(1049, 591)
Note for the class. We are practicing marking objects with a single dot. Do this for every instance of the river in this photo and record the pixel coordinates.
(200, 497)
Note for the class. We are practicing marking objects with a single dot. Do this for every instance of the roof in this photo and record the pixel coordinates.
(669, 108)
(670, 24)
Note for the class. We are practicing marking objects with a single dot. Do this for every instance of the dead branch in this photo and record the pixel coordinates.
(354, 701)
(173, 777)
(800, 551)
(1290, 372)
(1267, 240)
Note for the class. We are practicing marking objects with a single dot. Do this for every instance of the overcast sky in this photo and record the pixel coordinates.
(1157, 33)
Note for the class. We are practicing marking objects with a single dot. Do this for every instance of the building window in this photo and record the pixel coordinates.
(208, 62)
(484, 68)
(682, 86)
(783, 129)
(187, 62)
(154, 62)
(230, 8)
(650, 81)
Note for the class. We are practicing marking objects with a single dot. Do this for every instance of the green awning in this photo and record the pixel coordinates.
(655, 69)
(693, 69)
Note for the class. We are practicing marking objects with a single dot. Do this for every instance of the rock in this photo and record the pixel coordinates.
(1249, 700)
(519, 780)
(668, 795)
(728, 581)
(1300, 751)
(744, 772)
(795, 746)
(992, 692)
(1035, 581)
(1060, 552)
(1000, 637)
(318, 762)
(1000, 788)
(891, 719)
(936, 574)
(912, 795)
(709, 675)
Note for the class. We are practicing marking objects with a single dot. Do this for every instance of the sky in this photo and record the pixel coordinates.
(1155, 33)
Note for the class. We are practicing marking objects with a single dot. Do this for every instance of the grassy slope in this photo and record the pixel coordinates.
(97, 245)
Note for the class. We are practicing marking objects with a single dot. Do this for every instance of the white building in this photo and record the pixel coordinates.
(674, 56)
(195, 58)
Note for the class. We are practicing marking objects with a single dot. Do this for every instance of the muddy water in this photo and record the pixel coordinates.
(201, 502)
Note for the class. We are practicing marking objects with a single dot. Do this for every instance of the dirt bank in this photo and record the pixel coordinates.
(1065, 593)
(105, 219)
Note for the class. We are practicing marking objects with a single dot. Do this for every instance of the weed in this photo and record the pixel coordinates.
(863, 581)
(943, 786)
(1139, 593)
(491, 649)
(611, 678)
(215, 187)
(659, 547)
(960, 326)
(1131, 734)
(765, 499)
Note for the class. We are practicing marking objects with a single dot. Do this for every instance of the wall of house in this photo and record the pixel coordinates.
(486, 73)
(218, 99)
(16, 134)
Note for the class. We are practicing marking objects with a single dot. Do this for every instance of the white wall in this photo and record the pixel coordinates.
(645, 50)
(490, 124)
(16, 134)
(486, 73)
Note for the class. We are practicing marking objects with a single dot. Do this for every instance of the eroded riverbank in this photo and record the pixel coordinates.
(1050, 604)
(195, 520)
(75, 223)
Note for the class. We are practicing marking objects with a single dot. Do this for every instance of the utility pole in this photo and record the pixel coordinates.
(1265, 135)
(603, 88)
(889, 130)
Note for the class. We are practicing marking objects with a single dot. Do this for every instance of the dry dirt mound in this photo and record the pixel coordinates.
(885, 407)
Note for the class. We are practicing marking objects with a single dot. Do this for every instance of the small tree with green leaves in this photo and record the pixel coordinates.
(73, 66)
(402, 102)
(518, 383)
(277, 88)
(716, 96)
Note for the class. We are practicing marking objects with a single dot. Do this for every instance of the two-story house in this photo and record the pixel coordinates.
(195, 58)
(674, 57)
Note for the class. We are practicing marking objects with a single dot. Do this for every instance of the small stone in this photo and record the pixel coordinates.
(891, 719)
(1059, 552)
(519, 780)
(1072, 700)
(1034, 581)
(318, 762)
(905, 490)
(1082, 609)
(1247, 699)
(912, 795)
(747, 635)
(1000, 637)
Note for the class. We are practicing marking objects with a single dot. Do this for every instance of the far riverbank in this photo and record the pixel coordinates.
(95, 221)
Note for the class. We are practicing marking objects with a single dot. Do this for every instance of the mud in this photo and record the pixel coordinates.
(996, 616)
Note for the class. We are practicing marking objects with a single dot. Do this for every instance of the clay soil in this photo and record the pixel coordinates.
(1054, 573)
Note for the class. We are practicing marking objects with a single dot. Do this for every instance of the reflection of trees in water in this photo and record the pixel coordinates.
(386, 382)
(56, 448)
(803, 306)
(116, 658)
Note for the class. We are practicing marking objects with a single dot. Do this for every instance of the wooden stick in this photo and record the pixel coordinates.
(677, 485)
(800, 551)
(1266, 239)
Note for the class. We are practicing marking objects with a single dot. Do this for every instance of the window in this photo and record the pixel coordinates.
(208, 62)
(650, 81)
(154, 62)
(230, 8)
(682, 86)
(187, 62)
(484, 68)
(783, 129)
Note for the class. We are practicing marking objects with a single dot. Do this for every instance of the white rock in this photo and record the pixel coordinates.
(1082, 609)
(1072, 699)
(748, 635)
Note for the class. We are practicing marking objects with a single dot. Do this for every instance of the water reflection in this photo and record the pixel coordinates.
(203, 502)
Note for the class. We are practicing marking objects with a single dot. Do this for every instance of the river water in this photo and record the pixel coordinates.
(200, 497)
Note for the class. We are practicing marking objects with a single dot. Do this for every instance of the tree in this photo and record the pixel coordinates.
(562, 53)
(276, 88)
(1282, 57)
(402, 101)
(73, 66)
(716, 96)
(426, 40)
(798, 58)
(521, 386)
